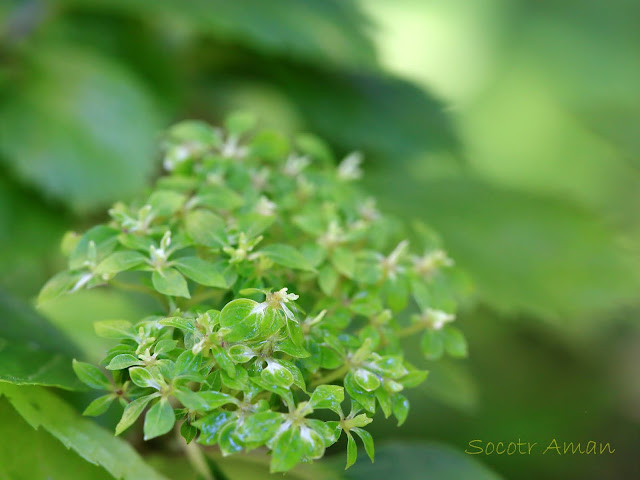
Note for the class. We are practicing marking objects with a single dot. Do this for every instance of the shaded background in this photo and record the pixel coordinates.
(509, 126)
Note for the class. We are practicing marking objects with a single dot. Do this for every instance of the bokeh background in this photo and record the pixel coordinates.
(510, 126)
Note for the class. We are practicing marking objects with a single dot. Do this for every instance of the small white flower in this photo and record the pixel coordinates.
(431, 261)
(176, 155)
(265, 207)
(231, 148)
(82, 281)
(160, 255)
(295, 164)
(436, 319)
(349, 168)
(390, 264)
(334, 235)
(259, 178)
(277, 301)
(368, 210)
(215, 178)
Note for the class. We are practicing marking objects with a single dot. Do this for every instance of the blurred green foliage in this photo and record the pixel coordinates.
(524, 157)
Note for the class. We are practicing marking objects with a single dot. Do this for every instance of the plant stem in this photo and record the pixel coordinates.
(330, 377)
(411, 329)
(197, 459)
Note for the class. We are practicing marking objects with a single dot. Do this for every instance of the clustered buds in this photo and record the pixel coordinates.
(281, 291)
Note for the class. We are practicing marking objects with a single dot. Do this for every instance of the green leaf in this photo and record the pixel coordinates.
(29, 327)
(327, 280)
(205, 228)
(359, 394)
(55, 461)
(454, 342)
(220, 198)
(72, 99)
(384, 400)
(287, 346)
(144, 378)
(116, 329)
(260, 426)
(165, 346)
(223, 360)
(227, 440)
(120, 261)
(27, 364)
(400, 408)
(537, 256)
(159, 419)
(328, 396)
(188, 432)
(280, 29)
(277, 374)
(287, 450)
(367, 440)
(99, 406)
(240, 316)
(188, 363)
(403, 460)
(240, 122)
(366, 379)
(124, 360)
(254, 224)
(170, 282)
(352, 451)
(414, 378)
(329, 432)
(366, 304)
(205, 400)
(166, 202)
(432, 344)
(241, 353)
(397, 294)
(286, 256)
(40, 407)
(344, 261)
(91, 375)
(210, 426)
(132, 411)
(390, 366)
(60, 283)
(201, 271)
(179, 322)
(383, 115)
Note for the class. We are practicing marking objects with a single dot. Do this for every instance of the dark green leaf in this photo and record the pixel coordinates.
(72, 99)
(410, 461)
(40, 407)
(26, 364)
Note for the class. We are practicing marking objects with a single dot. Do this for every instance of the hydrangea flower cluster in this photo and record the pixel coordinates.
(281, 291)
